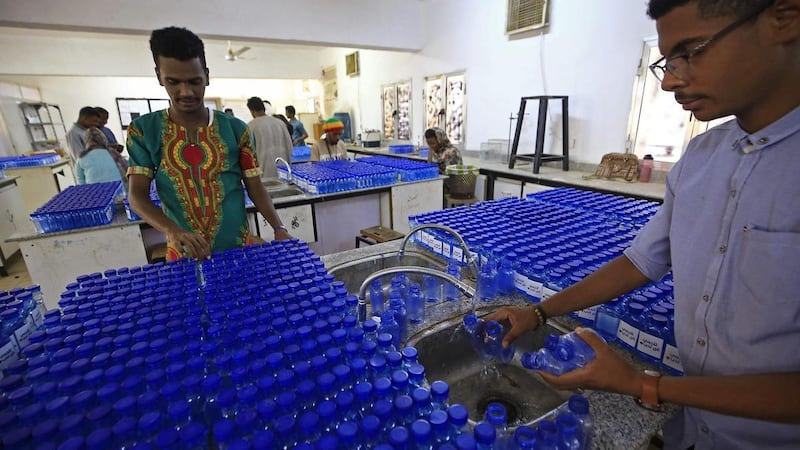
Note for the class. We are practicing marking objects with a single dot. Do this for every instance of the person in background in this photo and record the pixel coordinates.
(285, 121)
(442, 152)
(199, 159)
(299, 134)
(729, 229)
(330, 145)
(97, 164)
(87, 117)
(270, 138)
(229, 112)
(112, 140)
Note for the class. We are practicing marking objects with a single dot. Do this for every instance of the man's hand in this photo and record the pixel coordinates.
(194, 245)
(522, 319)
(282, 235)
(606, 372)
(117, 147)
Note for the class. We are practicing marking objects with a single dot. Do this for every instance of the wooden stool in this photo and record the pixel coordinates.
(452, 202)
(376, 235)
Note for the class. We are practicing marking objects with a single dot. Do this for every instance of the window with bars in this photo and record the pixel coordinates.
(525, 15)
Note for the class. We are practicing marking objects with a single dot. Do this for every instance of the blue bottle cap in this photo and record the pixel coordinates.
(438, 419)
(99, 439)
(465, 442)
(223, 430)
(458, 414)
(403, 404)
(496, 414)
(399, 437)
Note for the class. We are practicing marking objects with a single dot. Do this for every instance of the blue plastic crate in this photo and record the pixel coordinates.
(401, 149)
(301, 153)
(10, 162)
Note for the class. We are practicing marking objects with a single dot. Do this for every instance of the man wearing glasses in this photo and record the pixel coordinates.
(729, 229)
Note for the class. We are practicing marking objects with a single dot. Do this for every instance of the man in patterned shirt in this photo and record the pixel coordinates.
(197, 157)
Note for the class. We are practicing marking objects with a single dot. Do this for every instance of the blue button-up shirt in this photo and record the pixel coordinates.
(729, 229)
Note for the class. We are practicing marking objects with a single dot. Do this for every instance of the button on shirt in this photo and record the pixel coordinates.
(729, 229)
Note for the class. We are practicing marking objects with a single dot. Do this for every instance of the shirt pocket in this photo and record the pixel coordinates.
(770, 266)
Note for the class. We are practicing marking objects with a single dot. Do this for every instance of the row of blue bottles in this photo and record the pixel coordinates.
(561, 354)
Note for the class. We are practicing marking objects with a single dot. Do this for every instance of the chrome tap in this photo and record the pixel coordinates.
(362, 291)
(288, 167)
(471, 259)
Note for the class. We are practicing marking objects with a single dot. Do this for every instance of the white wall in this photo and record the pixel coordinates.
(590, 52)
(27, 52)
(73, 93)
(383, 24)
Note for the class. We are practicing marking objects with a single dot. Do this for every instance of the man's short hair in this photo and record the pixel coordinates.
(176, 43)
(290, 110)
(89, 111)
(707, 8)
(101, 110)
(255, 104)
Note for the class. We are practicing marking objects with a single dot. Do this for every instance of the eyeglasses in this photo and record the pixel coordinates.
(680, 65)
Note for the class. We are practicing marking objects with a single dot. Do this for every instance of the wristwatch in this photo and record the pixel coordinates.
(281, 227)
(649, 397)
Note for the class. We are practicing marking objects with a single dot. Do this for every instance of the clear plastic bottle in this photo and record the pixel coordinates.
(497, 416)
(494, 343)
(487, 282)
(432, 287)
(474, 327)
(570, 353)
(569, 432)
(423, 434)
(451, 292)
(505, 277)
(376, 297)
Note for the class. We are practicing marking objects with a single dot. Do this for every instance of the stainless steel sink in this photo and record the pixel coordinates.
(273, 183)
(355, 272)
(284, 192)
(447, 355)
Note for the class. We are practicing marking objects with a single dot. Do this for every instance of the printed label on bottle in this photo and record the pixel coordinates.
(437, 246)
(588, 313)
(627, 333)
(8, 353)
(537, 288)
(36, 316)
(547, 293)
(24, 332)
(446, 250)
(650, 345)
(672, 358)
(458, 254)
(313, 189)
(520, 281)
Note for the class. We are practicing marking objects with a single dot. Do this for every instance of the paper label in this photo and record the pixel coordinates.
(37, 317)
(520, 281)
(437, 246)
(650, 345)
(446, 250)
(672, 358)
(24, 332)
(547, 292)
(536, 288)
(458, 254)
(627, 333)
(588, 313)
(8, 353)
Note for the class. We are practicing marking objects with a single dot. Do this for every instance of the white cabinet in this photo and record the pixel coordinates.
(298, 219)
(412, 199)
(507, 188)
(12, 212)
(41, 183)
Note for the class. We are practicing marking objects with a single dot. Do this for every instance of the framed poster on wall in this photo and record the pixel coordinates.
(434, 101)
(389, 99)
(404, 111)
(455, 111)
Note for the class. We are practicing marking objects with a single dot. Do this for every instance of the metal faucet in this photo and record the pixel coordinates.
(471, 259)
(288, 167)
(362, 291)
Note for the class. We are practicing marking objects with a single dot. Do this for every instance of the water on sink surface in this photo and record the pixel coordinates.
(284, 192)
(272, 183)
(447, 355)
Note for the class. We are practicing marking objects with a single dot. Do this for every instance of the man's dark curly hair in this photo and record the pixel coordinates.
(708, 8)
(177, 43)
(256, 104)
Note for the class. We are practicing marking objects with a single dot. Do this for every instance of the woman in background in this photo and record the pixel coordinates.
(330, 145)
(98, 164)
(442, 152)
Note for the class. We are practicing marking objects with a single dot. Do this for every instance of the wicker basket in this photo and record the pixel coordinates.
(461, 183)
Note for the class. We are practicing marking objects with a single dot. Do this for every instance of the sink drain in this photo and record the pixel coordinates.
(512, 409)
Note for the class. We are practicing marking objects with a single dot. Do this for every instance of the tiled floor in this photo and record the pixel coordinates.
(18, 275)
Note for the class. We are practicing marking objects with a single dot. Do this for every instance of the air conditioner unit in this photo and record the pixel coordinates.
(526, 15)
(351, 64)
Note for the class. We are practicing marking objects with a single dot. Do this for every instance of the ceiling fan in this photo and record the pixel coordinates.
(233, 55)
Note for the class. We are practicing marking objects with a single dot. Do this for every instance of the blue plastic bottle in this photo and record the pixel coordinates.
(505, 277)
(450, 291)
(422, 432)
(496, 416)
(474, 326)
(415, 305)
(485, 436)
(569, 432)
(376, 297)
(652, 339)
(487, 282)
(432, 287)
(494, 343)
(570, 353)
